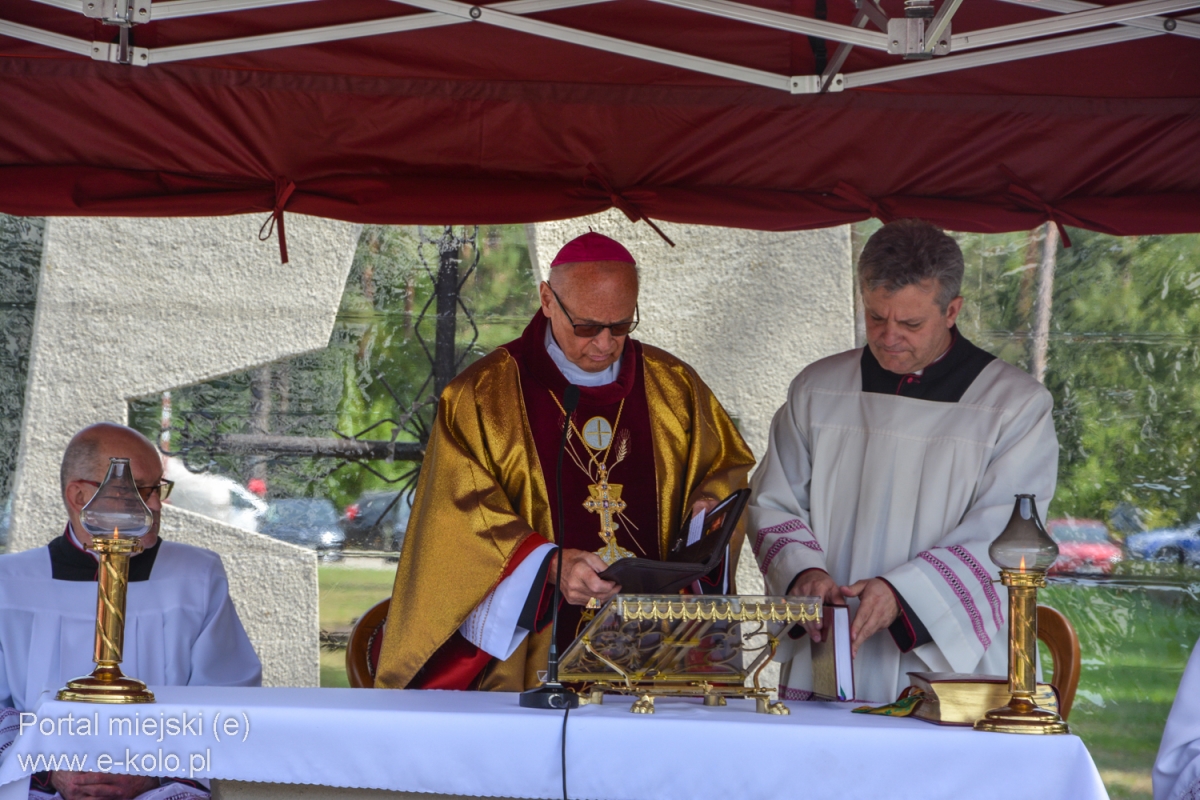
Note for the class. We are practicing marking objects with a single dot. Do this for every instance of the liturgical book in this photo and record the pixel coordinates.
(832, 664)
(952, 698)
(698, 552)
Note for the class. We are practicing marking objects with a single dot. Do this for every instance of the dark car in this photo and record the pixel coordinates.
(1179, 545)
(377, 520)
(309, 522)
(1084, 547)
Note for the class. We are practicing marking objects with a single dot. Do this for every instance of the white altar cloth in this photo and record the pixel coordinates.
(484, 744)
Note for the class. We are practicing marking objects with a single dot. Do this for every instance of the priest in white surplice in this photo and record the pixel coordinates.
(1177, 768)
(889, 471)
(181, 627)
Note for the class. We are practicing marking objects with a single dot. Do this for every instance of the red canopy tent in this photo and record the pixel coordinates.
(784, 114)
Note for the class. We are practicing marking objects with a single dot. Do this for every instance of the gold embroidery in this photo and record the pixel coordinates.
(604, 498)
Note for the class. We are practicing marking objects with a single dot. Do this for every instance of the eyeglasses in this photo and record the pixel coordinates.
(591, 331)
(162, 489)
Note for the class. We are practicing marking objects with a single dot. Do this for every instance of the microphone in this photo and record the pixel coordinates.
(552, 694)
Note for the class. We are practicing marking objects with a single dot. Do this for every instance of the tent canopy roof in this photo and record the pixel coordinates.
(703, 111)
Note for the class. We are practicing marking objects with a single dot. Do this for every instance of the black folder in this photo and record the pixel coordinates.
(685, 563)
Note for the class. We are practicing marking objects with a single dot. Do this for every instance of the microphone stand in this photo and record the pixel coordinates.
(552, 694)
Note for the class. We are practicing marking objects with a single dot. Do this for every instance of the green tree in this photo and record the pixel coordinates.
(1124, 361)
(1125, 370)
(374, 377)
(390, 283)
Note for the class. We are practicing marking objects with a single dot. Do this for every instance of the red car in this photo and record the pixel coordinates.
(1084, 547)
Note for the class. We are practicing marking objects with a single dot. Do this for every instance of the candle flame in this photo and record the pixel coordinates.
(1022, 568)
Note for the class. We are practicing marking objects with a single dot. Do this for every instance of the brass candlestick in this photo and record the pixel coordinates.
(1022, 714)
(107, 684)
(1025, 542)
(118, 507)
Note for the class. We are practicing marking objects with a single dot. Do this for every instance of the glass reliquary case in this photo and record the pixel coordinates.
(712, 646)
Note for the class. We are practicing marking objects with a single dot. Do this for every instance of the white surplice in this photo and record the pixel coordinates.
(1176, 773)
(864, 484)
(180, 626)
(494, 626)
(181, 629)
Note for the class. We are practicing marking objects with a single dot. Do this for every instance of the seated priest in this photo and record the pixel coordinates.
(889, 471)
(649, 444)
(180, 625)
(1176, 774)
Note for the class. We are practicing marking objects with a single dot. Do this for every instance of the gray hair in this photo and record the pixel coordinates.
(911, 251)
(79, 461)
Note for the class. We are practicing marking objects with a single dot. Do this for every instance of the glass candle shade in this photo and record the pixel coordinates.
(117, 509)
(1024, 544)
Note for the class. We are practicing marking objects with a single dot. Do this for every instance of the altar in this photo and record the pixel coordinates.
(478, 744)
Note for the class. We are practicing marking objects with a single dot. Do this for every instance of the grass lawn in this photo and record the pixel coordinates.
(347, 592)
(333, 668)
(1135, 643)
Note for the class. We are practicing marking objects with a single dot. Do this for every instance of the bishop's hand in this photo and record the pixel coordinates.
(705, 503)
(581, 579)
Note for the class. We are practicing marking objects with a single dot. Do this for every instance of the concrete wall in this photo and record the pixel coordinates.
(130, 307)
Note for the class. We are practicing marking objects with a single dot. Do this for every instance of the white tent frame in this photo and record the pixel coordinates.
(1059, 34)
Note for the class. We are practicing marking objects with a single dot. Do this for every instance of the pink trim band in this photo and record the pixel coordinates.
(774, 551)
(791, 526)
(960, 591)
(985, 580)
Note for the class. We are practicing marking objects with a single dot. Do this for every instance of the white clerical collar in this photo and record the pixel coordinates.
(574, 374)
(75, 541)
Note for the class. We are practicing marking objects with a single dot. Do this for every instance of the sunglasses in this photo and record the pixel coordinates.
(162, 489)
(591, 331)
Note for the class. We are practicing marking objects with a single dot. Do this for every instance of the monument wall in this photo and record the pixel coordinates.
(128, 307)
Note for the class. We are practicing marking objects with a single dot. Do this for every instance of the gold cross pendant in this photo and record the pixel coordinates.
(606, 501)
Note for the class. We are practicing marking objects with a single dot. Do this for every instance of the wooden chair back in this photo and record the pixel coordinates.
(362, 651)
(1063, 643)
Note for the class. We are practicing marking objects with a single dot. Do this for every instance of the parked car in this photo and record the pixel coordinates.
(214, 496)
(307, 521)
(377, 520)
(1084, 547)
(1179, 545)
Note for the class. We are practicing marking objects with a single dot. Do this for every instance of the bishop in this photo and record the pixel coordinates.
(648, 443)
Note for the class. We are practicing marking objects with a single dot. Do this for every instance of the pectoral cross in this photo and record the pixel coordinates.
(606, 501)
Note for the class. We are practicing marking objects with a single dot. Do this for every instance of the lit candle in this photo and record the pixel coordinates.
(1023, 552)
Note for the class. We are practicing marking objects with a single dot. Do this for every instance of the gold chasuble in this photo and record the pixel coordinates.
(642, 450)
